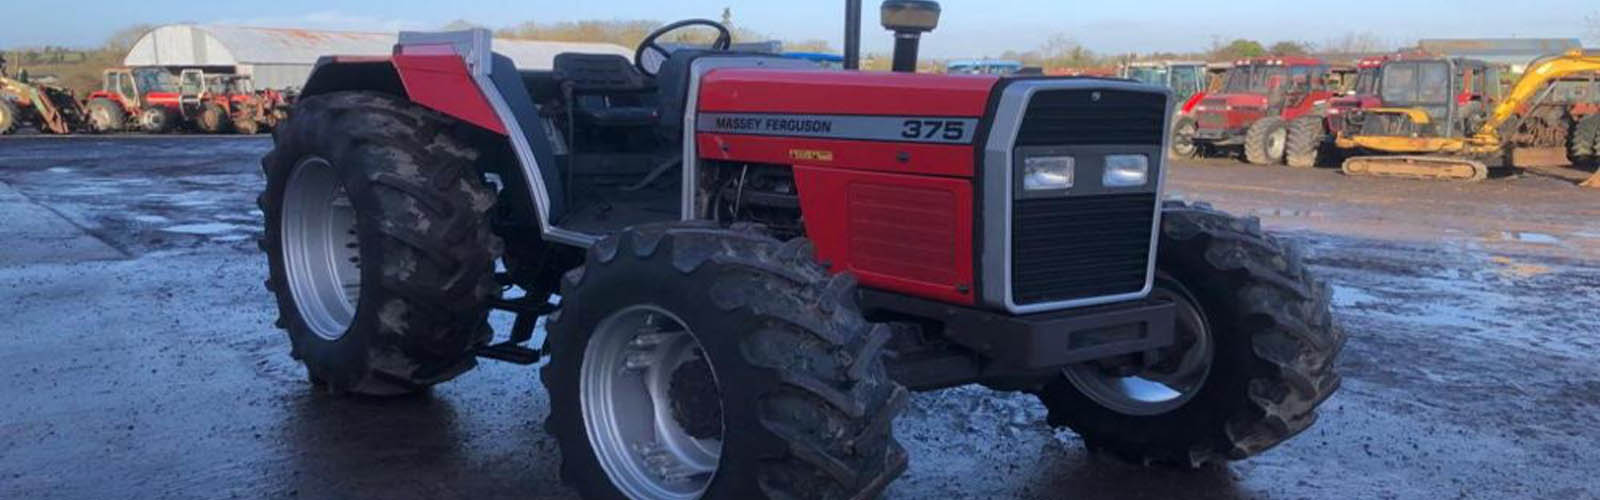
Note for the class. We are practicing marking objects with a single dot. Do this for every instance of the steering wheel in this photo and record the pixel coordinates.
(723, 42)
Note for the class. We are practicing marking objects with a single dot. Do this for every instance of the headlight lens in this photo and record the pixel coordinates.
(1046, 173)
(1126, 171)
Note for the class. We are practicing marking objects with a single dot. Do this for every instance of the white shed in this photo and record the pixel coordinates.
(280, 58)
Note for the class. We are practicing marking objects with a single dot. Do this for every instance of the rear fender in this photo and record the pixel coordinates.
(451, 73)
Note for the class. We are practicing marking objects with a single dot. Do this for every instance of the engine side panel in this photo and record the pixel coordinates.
(883, 163)
(905, 233)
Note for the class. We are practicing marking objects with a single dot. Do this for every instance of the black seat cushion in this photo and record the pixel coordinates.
(600, 74)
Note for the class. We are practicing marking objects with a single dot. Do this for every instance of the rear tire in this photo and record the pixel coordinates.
(8, 117)
(797, 398)
(419, 244)
(1265, 141)
(1273, 341)
(213, 119)
(1304, 146)
(106, 116)
(246, 127)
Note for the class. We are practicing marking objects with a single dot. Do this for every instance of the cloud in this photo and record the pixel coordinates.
(330, 20)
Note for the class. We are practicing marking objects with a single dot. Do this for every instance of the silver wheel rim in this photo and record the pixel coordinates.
(1161, 388)
(321, 251)
(1277, 142)
(625, 386)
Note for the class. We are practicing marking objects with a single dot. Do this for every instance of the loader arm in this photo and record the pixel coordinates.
(1530, 86)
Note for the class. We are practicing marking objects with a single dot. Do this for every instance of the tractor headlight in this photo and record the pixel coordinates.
(1048, 173)
(1126, 171)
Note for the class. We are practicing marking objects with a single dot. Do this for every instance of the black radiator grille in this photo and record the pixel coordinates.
(1080, 247)
(1075, 117)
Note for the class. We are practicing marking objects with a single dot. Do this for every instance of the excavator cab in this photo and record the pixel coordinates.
(1483, 126)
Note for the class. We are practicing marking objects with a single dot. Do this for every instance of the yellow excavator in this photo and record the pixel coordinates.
(1435, 123)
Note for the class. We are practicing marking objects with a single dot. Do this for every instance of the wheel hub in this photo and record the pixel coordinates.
(695, 404)
(1177, 374)
(321, 250)
(1277, 143)
(651, 405)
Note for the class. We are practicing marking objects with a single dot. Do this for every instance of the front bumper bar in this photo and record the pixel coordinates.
(1045, 340)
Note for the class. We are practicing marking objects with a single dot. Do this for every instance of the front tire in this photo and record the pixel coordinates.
(782, 392)
(378, 244)
(1268, 334)
(157, 120)
(1304, 145)
(1183, 132)
(1265, 141)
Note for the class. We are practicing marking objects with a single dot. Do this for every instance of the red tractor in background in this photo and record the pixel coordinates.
(232, 104)
(1258, 99)
(1311, 137)
(144, 99)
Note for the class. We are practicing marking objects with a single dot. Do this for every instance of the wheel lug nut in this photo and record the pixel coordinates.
(651, 339)
(639, 361)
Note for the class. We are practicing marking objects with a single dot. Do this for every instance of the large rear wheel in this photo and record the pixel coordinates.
(8, 117)
(1254, 355)
(213, 119)
(378, 243)
(1583, 147)
(106, 115)
(690, 361)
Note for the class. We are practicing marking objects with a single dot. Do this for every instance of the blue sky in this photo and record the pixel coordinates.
(970, 27)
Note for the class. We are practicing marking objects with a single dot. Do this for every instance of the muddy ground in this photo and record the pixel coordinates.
(138, 357)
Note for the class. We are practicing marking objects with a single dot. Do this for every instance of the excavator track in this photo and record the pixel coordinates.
(1417, 167)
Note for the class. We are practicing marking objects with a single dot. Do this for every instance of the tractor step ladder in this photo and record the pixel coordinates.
(512, 351)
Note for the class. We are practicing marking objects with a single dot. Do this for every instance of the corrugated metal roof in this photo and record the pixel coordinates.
(224, 45)
(1498, 46)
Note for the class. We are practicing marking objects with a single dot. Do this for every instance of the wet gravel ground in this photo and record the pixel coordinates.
(1472, 371)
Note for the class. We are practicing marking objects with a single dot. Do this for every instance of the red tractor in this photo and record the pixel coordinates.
(231, 103)
(1310, 139)
(145, 99)
(756, 258)
(1259, 98)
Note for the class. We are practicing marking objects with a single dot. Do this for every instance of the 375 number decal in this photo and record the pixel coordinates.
(949, 130)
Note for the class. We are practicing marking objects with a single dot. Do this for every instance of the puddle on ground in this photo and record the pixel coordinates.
(206, 228)
(1519, 269)
(1525, 237)
(152, 219)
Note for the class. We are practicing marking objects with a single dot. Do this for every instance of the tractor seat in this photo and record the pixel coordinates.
(605, 90)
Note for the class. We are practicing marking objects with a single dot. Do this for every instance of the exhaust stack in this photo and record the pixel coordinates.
(909, 19)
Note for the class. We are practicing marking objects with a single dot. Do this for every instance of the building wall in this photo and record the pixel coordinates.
(277, 76)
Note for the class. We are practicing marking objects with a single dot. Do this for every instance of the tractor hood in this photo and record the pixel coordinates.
(1353, 102)
(1231, 102)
